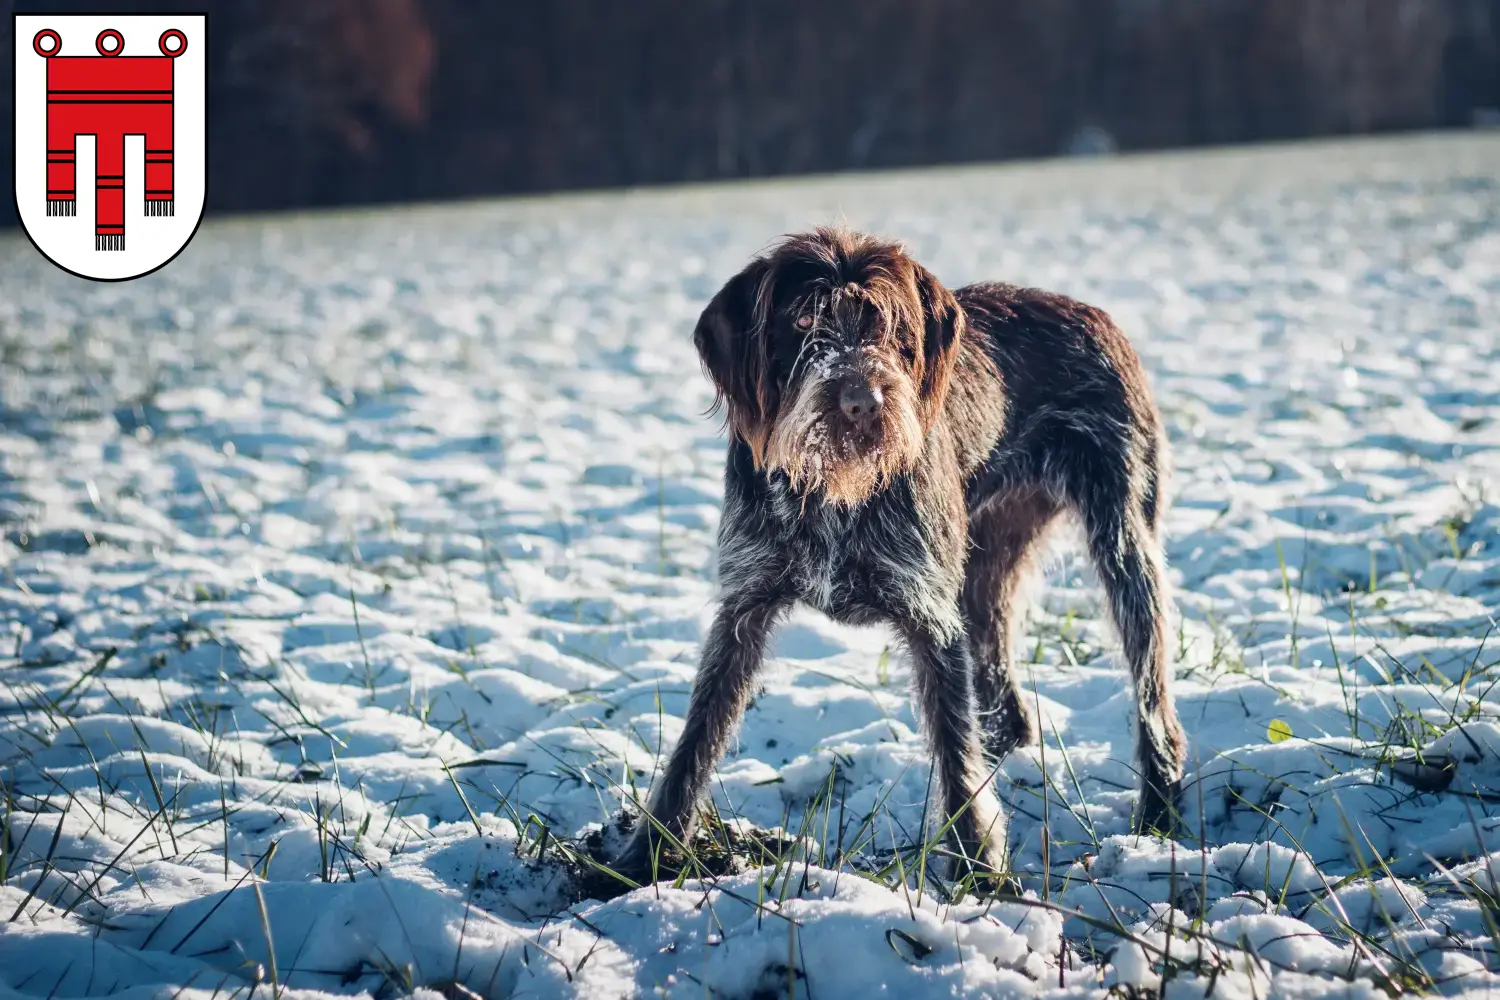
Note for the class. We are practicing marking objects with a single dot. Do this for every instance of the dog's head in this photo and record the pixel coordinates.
(832, 354)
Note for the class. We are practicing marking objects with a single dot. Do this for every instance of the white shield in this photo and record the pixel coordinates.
(110, 138)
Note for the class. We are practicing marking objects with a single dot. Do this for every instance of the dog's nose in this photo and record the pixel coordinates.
(860, 403)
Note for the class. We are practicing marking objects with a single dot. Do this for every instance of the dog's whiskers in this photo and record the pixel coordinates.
(808, 347)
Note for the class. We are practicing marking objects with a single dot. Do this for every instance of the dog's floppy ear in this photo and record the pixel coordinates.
(943, 327)
(733, 343)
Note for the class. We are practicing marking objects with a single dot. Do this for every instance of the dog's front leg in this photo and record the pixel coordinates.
(943, 675)
(732, 657)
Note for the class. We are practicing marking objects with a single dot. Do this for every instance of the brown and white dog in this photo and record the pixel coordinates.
(898, 452)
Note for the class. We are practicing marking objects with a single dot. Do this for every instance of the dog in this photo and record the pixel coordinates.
(898, 452)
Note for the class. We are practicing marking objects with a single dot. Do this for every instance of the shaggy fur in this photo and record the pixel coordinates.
(898, 453)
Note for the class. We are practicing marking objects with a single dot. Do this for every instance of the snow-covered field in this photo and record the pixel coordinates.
(353, 559)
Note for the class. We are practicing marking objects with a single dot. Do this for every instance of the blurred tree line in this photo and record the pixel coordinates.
(316, 102)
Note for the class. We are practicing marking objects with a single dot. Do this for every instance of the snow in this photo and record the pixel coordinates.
(354, 558)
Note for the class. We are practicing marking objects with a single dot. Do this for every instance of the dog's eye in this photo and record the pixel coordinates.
(805, 321)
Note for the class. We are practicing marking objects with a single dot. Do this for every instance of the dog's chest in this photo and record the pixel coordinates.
(852, 565)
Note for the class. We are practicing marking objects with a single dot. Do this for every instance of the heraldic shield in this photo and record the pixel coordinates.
(111, 130)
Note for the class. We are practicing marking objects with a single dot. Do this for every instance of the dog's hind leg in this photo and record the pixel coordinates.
(732, 656)
(1005, 540)
(1127, 555)
(943, 678)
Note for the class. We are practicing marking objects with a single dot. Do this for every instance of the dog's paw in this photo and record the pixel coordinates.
(638, 861)
(983, 883)
(1157, 812)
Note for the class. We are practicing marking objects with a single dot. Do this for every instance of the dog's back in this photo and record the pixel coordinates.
(1071, 382)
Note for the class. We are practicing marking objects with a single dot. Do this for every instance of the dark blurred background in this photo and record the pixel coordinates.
(320, 102)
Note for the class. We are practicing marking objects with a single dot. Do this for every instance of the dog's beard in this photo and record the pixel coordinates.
(812, 444)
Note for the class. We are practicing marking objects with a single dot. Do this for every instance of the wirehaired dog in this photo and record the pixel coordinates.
(898, 452)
